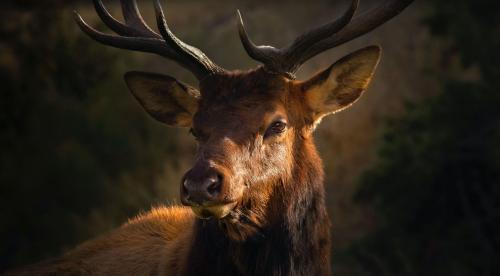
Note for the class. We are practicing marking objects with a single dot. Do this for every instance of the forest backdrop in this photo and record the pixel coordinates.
(412, 169)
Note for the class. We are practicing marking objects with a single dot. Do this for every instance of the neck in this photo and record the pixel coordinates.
(295, 239)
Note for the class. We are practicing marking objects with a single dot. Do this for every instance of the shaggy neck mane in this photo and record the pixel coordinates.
(293, 239)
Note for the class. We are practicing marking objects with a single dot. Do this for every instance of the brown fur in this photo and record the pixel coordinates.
(277, 224)
(143, 246)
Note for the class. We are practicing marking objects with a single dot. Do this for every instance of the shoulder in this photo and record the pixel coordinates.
(148, 244)
(142, 246)
(166, 222)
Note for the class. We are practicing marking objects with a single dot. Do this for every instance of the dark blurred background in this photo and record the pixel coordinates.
(413, 169)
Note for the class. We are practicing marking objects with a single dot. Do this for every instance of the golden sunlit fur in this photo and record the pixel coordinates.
(155, 243)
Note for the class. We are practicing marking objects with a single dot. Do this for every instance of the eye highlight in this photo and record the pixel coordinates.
(277, 127)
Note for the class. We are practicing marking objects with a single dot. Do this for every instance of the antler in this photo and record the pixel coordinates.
(288, 60)
(136, 35)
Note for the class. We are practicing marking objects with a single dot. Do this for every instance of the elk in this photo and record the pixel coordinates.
(254, 198)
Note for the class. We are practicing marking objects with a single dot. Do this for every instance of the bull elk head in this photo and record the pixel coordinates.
(256, 155)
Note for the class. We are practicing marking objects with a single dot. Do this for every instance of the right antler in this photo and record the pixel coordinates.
(136, 35)
(288, 60)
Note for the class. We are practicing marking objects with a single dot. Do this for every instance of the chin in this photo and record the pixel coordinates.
(217, 212)
(238, 223)
(242, 224)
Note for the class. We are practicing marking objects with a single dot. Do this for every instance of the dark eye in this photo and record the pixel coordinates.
(276, 127)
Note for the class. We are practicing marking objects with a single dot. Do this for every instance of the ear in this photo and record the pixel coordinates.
(164, 98)
(341, 84)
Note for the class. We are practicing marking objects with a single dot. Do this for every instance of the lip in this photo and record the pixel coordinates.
(214, 211)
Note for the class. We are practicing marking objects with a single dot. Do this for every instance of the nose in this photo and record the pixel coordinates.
(201, 189)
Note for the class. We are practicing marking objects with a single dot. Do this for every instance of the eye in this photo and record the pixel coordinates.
(277, 127)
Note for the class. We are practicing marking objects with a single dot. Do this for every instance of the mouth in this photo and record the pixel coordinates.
(216, 211)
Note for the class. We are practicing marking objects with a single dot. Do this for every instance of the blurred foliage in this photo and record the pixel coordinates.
(78, 156)
(436, 185)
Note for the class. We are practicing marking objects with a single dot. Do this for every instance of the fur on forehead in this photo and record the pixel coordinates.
(251, 92)
(238, 85)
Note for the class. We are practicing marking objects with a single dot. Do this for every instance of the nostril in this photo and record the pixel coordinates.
(214, 185)
(213, 188)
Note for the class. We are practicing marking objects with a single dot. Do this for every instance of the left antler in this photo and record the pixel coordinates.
(288, 60)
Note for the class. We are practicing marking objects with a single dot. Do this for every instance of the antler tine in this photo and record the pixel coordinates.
(136, 35)
(268, 55)
(111, 22)
(261, 53)
(306, 40)
(288, 60)
(151, 45)
(134, 19)
(190, 55)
